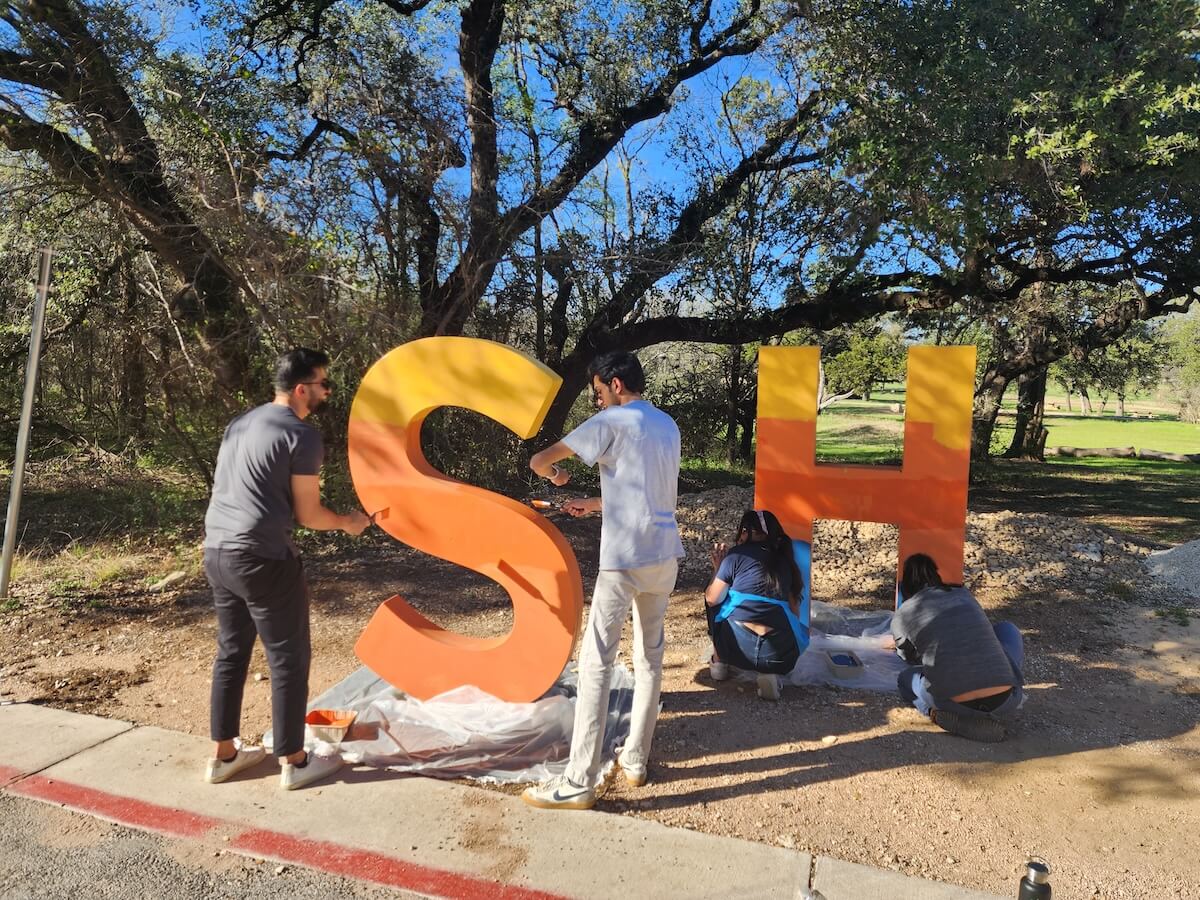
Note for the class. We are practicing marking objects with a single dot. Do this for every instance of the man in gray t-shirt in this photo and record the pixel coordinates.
(636, 447)
(267, 479)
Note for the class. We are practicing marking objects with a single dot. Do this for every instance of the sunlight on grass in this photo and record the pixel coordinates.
(1167, 435)
(81, 568)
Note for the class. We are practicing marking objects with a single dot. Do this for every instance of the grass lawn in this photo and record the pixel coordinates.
(1159, 501)
(1167, 435)
(858, 431)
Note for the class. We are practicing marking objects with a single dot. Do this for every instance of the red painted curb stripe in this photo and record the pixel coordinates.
(328, 857)
(376, 867)
(8, 774)
(124, 810)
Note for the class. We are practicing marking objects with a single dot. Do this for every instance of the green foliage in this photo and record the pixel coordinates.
(1133, 362)
(473, 448)
(979, 114)
(1177, 614)
(1182, 334)
(868, 358)
(687, 383)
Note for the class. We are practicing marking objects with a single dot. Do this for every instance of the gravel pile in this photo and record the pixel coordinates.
(1179, 567)
(1005, 551)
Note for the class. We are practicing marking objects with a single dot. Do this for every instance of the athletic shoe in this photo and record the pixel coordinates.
(219, 770)
(768, 687)
(635, 776)
(973, 728)
(718, 670)
(560, 793)
(314, 769)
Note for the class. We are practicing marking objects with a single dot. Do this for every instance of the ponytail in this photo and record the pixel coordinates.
(781, 560)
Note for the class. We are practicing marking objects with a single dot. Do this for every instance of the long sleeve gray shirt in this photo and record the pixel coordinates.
(946, 631)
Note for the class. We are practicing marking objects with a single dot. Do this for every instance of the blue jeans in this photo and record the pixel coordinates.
(774, 653)
(914, 687)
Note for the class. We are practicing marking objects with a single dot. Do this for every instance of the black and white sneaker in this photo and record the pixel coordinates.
(560, 793)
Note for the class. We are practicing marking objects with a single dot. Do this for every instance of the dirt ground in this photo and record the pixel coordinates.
(1102, 778)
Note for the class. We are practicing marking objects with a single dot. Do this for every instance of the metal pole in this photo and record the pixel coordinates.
(31, 372)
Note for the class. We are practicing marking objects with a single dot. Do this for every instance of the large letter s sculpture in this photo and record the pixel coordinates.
(494, 535)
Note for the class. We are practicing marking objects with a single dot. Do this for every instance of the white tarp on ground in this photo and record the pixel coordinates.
(466, 733)
(844, 651)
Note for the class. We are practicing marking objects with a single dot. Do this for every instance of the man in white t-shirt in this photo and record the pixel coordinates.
(637, 449)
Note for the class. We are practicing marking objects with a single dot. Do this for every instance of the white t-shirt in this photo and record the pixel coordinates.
(637, 448)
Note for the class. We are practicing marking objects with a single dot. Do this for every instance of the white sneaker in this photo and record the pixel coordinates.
(218, 770)
(718, 670)
(768, 687)
(314, 769)
(635, 776)
(560, 793)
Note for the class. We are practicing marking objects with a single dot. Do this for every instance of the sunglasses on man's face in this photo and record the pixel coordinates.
(324, 382)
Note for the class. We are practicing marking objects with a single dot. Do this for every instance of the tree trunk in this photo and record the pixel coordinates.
(749, 415)
(733, 389)
(1070, 408)
(1085, 402)
(133, 360)
(1121, 405)
(1029, 440)
(987, 407)
(573, 370)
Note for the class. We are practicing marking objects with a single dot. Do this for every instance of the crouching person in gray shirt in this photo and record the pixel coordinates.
(965, 673)
(267, 476)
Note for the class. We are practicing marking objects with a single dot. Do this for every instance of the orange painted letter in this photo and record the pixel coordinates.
(491, 534)
(926, 496)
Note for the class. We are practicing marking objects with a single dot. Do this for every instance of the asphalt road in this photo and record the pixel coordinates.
(52, 853)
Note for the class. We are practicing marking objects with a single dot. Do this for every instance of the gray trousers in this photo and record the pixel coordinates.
(265, 598)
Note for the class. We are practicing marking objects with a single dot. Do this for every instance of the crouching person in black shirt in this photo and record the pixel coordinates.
(753, 604)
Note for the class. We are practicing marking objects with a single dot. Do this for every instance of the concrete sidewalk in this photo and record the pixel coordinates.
(423, 835)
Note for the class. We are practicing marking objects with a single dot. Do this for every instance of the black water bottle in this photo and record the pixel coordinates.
(1035, 885)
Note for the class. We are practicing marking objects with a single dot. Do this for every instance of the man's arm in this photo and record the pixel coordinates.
(312, 513)
(583, 506)
(543, 463)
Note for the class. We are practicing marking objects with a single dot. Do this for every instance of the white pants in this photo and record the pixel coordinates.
(647, 590)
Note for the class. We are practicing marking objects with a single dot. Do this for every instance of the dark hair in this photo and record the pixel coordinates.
(920, 572)
(780, 558)
(296, 366)
(619, 364)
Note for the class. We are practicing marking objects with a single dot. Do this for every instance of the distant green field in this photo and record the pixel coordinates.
(860, 432)
(868, 430)
(1166, 435)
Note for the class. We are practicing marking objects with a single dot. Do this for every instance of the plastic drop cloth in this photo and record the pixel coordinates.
(466, 733)
(834, 631)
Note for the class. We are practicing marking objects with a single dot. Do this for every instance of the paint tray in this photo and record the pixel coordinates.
(843, 663)
(330, 725)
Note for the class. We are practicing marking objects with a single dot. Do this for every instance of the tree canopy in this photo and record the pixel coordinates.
(573, 177)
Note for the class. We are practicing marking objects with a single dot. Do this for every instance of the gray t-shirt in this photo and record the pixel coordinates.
(251, 505)
(946, 631)
(637, 448)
